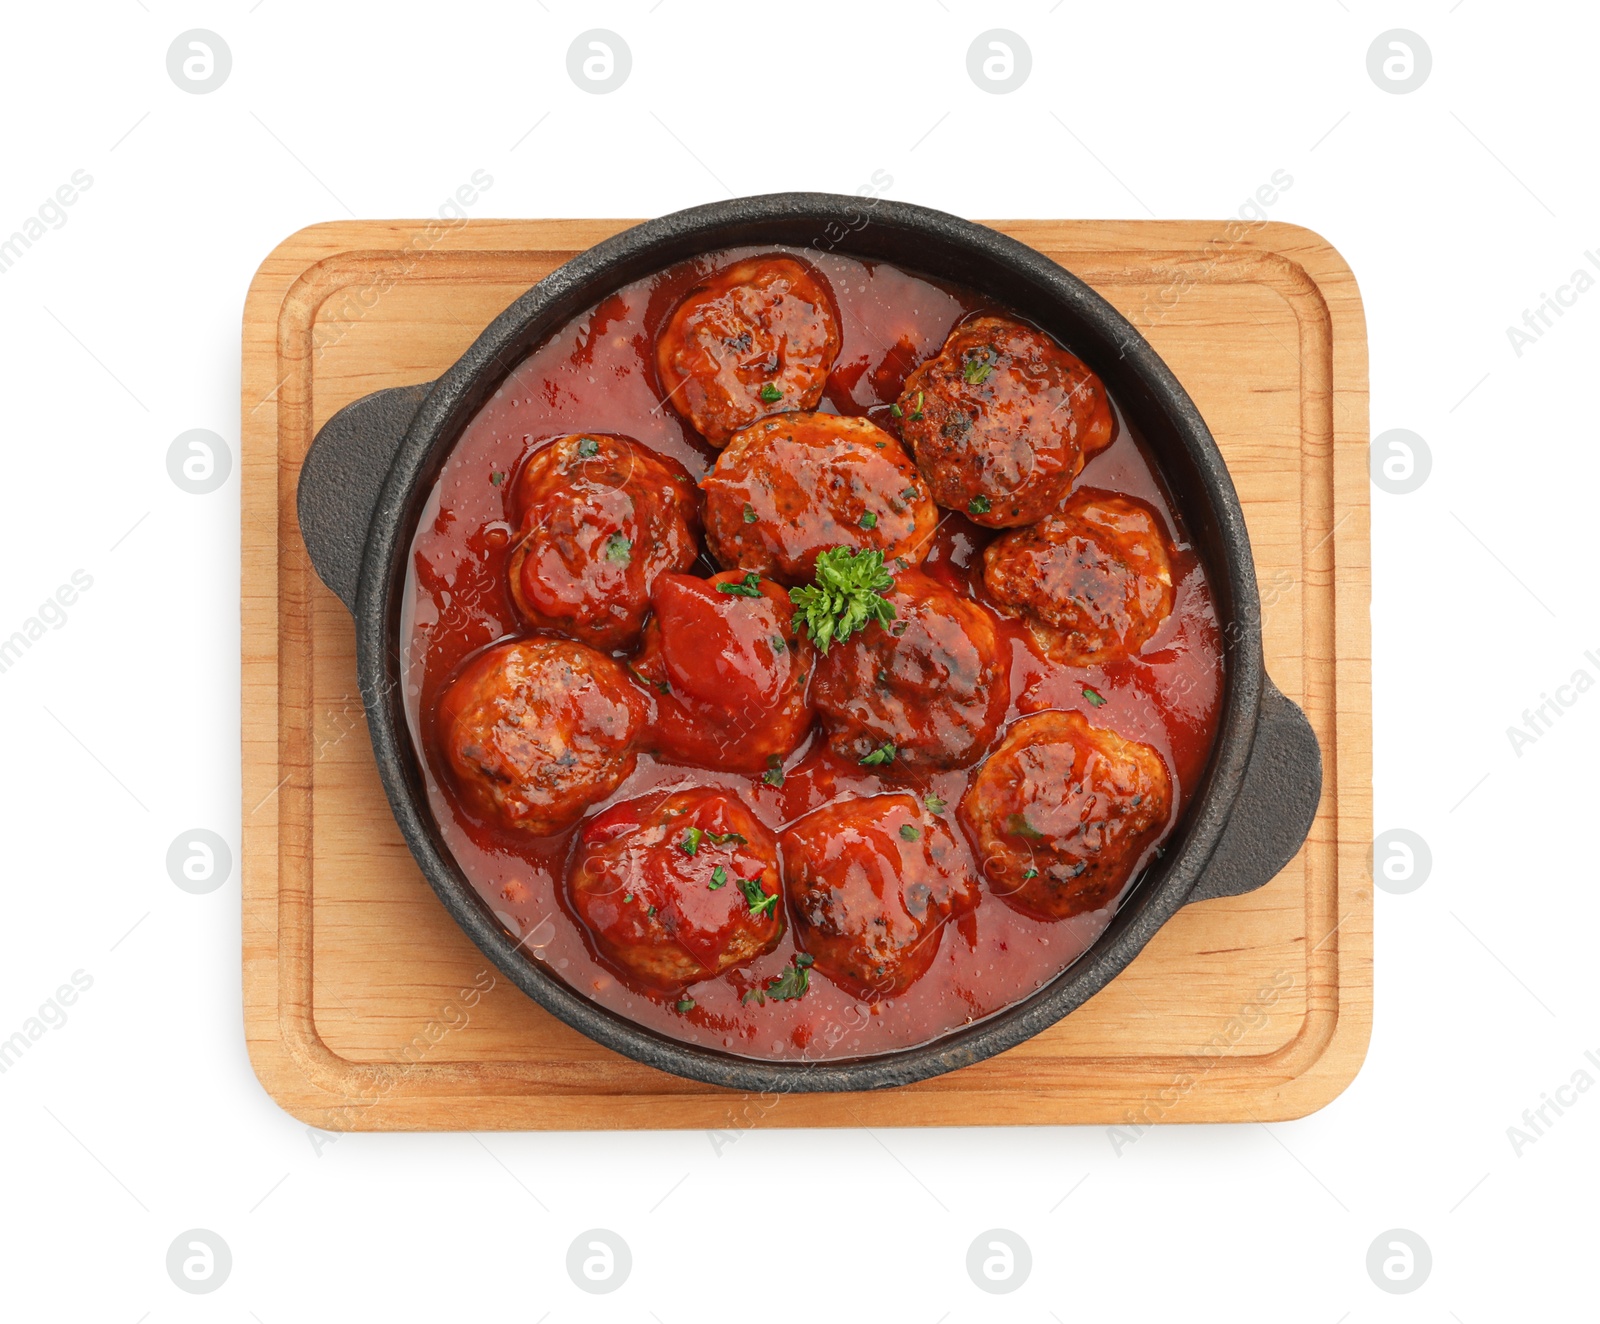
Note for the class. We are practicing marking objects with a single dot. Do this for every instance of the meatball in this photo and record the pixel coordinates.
(536, 730)
(1002, 420)
(871, 883)
(929, 690)
(755, 339)
(729, 670)
(1093, 582)
(789, 488)
(1061, 813)
(678, 888)
(598, 518)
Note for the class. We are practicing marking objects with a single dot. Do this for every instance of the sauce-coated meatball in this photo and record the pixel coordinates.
(871, 883)
(678, 888)
(598, 518)
(1093, 582)
(789, 488)
(758, 338)
(1002, 420)
(536, 730)
(1061, 813)
(729, 669)
(928, 690)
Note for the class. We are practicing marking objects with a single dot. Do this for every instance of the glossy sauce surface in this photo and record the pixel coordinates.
(597, 375)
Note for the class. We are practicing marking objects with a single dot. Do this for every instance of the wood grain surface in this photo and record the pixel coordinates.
(366, 1008)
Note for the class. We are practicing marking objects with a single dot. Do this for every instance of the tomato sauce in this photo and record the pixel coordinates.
(596, 375)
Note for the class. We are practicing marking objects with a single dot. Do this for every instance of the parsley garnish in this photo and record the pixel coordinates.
(916, 413)
(794, 981)
(1031, 873)
(719, 878)
(1018, 825)
(977, 368)
(588, 446)
(497, 478)
(910, 494)
(627, 897)
(933, 804)
(748, 587)
(619, 549)
(760, 902)
(846, 595)
(883, 754)
(897, 411)
(770, 394)
(909, 832)
(749, 513)
(685, 1004)
(691, 841)
(979, 505)
(723, 838)
(773, 776)
(778, 646)
(868, 520)
(1093, 695)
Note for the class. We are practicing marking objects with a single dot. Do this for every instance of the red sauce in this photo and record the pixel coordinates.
(596, 375)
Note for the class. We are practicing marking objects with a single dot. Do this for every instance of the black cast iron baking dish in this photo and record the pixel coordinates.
(371, 466)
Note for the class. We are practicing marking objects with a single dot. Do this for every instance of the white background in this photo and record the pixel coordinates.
(1458, 206)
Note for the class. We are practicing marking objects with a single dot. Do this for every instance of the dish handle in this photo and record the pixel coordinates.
(341, 478)
(1277, 802)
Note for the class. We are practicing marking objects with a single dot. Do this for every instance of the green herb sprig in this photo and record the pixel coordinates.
(846, 595)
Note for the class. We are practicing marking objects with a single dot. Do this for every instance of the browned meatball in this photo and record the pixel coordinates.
(598, 518)
(789, 488)
(1002, 421)
(1093, 582)
(1061, 813)
(927, 690)
(536, 730)
(678, 887)
(757, 338)
(871, 883)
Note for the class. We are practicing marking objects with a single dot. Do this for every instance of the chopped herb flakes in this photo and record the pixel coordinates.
(724, 838)
(880, 757)
(933, 804)
(1093, 696)
(497, 478)
(619, 549)
(770, 394)
(691, 841)
(845, 596)
(778, 646)
(897, 411)
(909, 832)
(910, 494)
(1031, 873)
(1018, 826)
(588, 446)
(749, 513)
(773, 776)
(978, 367)
(979, 505)
(748, 587)
(719, 878)
(868, 520)
(685, 1004)
(761, 903)
(794, 981)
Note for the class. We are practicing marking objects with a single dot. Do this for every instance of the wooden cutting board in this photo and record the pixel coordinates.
(367, 1008)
